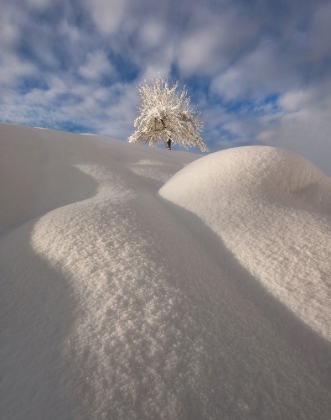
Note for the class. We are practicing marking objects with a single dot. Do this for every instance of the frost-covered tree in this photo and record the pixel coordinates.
(165, 116)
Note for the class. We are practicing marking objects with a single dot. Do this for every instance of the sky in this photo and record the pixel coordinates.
(258, 70)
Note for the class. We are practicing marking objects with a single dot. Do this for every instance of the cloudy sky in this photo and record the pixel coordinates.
(259, 70)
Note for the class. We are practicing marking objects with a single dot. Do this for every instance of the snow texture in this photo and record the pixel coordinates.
(272, 210)
(118, 304)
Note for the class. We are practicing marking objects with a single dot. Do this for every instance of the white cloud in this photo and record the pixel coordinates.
(198, 51)
(8, 32)
(122, 112)
(11, 21)
(12, 68)
(70, 31)
(228, 84)
(304, 126)
(101, 94)
(161, 64)
(151, 33)
(38, 3)
(295, 100)
(307, 133)
(321, 30)
(108, 15)
(96, 66)
(256, 75)
(213, 39)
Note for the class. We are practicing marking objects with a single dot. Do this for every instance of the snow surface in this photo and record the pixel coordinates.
(206, 301)
(272, 210)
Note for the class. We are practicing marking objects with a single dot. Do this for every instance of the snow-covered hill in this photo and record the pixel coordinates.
(272, 209)
(207, 301)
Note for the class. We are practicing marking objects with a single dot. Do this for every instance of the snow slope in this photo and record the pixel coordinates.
(118, 304)
(272, 209)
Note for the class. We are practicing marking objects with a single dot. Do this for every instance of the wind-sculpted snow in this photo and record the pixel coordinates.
(115, 304)
(272, 209)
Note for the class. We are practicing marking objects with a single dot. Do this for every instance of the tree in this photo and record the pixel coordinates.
(165, 116)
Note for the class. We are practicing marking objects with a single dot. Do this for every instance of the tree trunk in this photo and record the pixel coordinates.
(168, 142)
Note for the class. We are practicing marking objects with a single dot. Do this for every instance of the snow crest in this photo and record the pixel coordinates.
(272, 209)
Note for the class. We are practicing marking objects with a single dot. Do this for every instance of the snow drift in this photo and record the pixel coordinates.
(117, 304)
(272, 209)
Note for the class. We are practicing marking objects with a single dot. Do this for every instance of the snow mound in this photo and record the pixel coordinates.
(272, 209)
(112, 307)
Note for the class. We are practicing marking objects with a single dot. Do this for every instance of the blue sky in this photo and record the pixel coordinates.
(259, 70)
